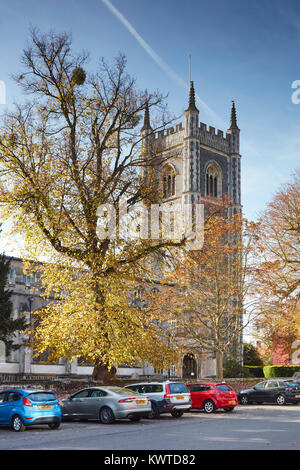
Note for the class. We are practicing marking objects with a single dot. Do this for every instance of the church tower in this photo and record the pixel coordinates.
(194, 163)
(197, 161)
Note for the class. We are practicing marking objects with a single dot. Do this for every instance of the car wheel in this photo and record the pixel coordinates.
(17, 424)
(209, 406)
(106, 415)
(244, 400)
(280, 400)
(54, 425)
(154, 413)
(176, 413)
(228, 409)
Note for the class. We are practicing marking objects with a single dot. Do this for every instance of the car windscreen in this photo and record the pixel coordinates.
(178, 388)
(41, 396)
(224, 388)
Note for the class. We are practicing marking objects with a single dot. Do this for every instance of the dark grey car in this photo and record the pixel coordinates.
(271, 391)
(105, 404)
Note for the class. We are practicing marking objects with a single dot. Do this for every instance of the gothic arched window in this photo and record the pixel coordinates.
(168, 181)
(213, 181)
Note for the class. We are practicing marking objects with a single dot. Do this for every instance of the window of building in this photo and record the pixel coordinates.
(213, 182)
(11, 276)
(168, 181)
(29, 280)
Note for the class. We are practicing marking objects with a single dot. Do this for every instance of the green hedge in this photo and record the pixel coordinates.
(280, 371)
(254, 371)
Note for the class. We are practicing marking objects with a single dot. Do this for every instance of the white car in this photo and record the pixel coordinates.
(166, 397)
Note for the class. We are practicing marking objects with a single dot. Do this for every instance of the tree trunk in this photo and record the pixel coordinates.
(102, 373)
(219, 365)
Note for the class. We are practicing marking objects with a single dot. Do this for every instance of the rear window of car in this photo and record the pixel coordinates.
(198, 387)
(223, 387)
(13, 396)
(178, 388)
(121, 390)
(98, 393)
(135, 388)
(41, 396)
(152, 388)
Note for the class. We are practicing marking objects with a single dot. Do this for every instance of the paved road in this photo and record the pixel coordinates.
(265, 427)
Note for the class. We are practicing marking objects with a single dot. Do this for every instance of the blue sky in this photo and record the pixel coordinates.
(243, 50)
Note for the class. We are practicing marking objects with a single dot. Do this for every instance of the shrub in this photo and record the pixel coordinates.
(251, 355)
(233, 369)
(280, 371)
(254, 371)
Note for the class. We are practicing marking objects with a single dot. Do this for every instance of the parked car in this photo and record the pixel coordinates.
(165, 397)
(271, 391)
(22, 408)
(105, 404)
(211, 396)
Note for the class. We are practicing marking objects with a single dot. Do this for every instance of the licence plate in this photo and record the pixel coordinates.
(231, 402)
(46, 407)
(179, 398)
(141, 402)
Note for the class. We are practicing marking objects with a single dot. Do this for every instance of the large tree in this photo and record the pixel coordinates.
(210, 292)
(278, 267)
(73, 148)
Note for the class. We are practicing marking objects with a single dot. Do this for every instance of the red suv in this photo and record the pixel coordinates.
(210, 396)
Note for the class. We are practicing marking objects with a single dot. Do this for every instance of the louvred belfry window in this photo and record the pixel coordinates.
(213, 182)
(168, 181)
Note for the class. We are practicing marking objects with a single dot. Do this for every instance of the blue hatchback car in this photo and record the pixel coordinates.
(22, 408)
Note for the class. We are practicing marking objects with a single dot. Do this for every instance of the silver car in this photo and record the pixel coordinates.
(105, 404)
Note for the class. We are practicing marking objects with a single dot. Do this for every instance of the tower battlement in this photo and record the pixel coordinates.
(208, 135)
(214, 138)
(170, 137)
(168, 131)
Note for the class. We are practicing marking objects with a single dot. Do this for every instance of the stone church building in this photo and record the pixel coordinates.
(200, 162)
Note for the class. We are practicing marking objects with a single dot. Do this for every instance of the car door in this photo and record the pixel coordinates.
(155, 392)
(272, 389)
(204, 393)
(2, 406)
(259, 393)
(75, 405)
(198, 394)
(92, 403)
(12, 405)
